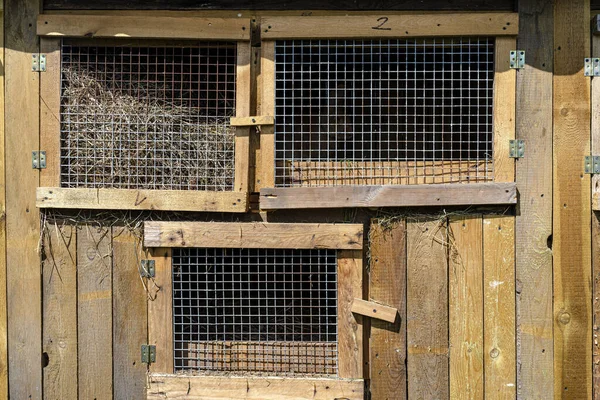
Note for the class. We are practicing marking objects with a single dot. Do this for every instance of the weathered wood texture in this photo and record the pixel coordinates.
(596, 226)
(387, 285)
(3, 307)
(59, 270)
(333, 27)
(571, 205)
(465, 239)
(409, 5)
(130, 322)
(242, 110)
(140, 199)
(94, 308)
(102, 26)
(374, 310)
(50, 112)
(427, 309)
(533, 230)
(267, 108)
(388, 196)
(24, 292)
(253, 235)
(160, 310)
(499, 347)
(252, 388)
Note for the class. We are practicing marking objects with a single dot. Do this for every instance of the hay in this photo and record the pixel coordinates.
(128, 136)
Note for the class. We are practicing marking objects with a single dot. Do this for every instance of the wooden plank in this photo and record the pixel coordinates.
(253, 388)
(160, 311)
(252, 121)
(505, 86)
(410, 25)
(387, 284)
(253, 235)
(571, 205)
(408, 5)
(466, 307)
(533, 234)
(130, 317)
(94, 310)
(595, 227)
(3, 299)
(388, 196)
(59, 270)
(23, 266)
(50, 112)
(350, 326)
(374, 310)
(242, 110)
(427, 308)
(140, 199)
(148, 27)
(267, 108)
(500, 363)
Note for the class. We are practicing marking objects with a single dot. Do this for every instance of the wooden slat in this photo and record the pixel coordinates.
(374, 310)
(253, 235)
(149, 27)
(534, 219)
(415, 25)
(571, 205)
(160, 311)
(60, 312)
(267, 108)
(252, 121)
(500, 362)
(140, 199)
(427, 309)
(130, 318)
(466, 307)
(252, 388)
(388, 196)
(242, 110)
(50, 112)
(350, 326)
(23, 267)
(505, 85)
(94, 310)
(3, 299)
(387, 284)
(596, 226)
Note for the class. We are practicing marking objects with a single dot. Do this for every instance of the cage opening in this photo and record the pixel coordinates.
(255, 310)
(383, 111)
(147, 116)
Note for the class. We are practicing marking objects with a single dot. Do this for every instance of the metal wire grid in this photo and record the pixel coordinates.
(383, 111)
(255, 310)
(151, 117)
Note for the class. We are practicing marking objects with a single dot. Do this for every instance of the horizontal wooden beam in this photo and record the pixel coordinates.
(253, 235)
(141, 199)
(103, 26)
(252, 121)
(374, 310)
(455, 194)
(253, 388)
(409, 25)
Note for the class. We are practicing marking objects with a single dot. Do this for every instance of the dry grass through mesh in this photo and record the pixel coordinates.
(114, 139)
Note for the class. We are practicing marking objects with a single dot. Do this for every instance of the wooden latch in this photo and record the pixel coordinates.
(374, 310)
(252, 121)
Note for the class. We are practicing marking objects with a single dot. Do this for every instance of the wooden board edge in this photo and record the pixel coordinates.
(50, 82)
(160, 310)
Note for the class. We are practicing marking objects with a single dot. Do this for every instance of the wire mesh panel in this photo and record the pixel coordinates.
(383, 111)
(255, 310)
(148, 116)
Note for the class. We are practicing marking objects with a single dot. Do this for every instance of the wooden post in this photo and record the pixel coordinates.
(3, 316)
(24, 292)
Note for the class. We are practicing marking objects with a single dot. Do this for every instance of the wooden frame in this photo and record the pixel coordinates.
(160, 237)
(51, 195)
(386, 192)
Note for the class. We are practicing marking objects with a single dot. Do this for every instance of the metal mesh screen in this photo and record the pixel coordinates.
(255, 310)
(383, 111)
(148, 116)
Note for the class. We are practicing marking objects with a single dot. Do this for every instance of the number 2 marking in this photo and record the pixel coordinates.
(383, 21)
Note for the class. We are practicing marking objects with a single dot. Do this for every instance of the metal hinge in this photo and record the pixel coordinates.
(516, 149)
(148, 269)
(38, 62)
(592, 164)
(38, 159)
(517, 59)
(591, 67)
(148, 353)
